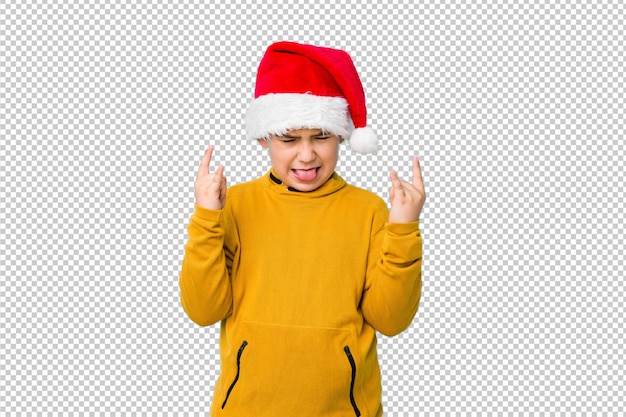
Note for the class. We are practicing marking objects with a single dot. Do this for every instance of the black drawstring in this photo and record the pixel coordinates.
(279, 182)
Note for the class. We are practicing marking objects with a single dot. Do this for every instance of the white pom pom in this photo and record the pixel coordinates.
(364, 140)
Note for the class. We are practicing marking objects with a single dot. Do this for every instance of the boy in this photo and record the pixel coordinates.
(300, 267)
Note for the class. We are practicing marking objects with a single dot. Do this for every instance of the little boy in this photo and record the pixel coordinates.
(300, 267)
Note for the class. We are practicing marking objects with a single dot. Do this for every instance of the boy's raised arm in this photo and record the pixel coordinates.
(205, 287)
(394, 282)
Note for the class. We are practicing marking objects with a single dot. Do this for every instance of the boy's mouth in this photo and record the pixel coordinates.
(305, 175)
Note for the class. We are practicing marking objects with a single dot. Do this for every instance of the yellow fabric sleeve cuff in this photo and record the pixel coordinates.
(206, 214)
(401, 229)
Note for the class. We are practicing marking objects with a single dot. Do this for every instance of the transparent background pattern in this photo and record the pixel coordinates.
(515, 108)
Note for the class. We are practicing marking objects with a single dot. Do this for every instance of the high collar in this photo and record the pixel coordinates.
(334, 183)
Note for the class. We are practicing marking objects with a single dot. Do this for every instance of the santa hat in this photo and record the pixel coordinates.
(309, 87)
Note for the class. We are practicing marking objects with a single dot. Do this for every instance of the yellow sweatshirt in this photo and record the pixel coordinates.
(301, 283)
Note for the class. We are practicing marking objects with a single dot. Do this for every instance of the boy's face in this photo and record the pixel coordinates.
(304, 158)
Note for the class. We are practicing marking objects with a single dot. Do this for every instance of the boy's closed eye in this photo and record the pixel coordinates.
(289, 139)
(286, 138)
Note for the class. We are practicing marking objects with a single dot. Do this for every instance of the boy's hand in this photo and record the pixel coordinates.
(210, 189)
(407, 199)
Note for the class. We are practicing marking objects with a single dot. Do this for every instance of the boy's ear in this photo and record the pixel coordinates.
(340, 139)
(263, 142)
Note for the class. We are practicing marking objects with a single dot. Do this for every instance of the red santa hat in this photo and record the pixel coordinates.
(309, 87)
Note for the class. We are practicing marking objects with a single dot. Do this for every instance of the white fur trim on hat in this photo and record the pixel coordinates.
(276, 114)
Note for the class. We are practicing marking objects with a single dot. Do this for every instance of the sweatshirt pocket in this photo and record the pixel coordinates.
(293, 370)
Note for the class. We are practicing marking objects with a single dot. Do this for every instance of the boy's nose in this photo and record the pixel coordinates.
(306, 153)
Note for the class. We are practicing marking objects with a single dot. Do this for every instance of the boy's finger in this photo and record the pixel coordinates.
(418, 182)
(219, 174)
(223, 187)
(206, 161)
(396, 184)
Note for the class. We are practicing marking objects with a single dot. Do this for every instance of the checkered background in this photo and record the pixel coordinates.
(515, 108)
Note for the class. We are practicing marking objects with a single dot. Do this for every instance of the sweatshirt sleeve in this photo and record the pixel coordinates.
(205, 286)
(394, 278)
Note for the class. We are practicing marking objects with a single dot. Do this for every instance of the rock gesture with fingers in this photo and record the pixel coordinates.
(210, 188)
(407, 198)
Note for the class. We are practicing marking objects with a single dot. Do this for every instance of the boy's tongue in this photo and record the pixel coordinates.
(305, 174)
